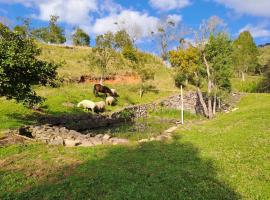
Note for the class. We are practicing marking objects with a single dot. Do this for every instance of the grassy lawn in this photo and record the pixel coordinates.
(226, 158)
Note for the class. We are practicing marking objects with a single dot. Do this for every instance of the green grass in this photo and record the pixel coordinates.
(13, 115)
(250, 85)
(225, 158)
(173, 114)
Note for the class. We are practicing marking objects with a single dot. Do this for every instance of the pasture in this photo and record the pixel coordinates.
(226, 158)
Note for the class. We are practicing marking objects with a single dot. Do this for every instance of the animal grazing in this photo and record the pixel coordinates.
(110, 100)
(102, 89)
(115, 94)
(100, 106)
(87, 104)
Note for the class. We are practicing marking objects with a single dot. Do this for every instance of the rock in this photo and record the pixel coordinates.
(170, 130)
(25, 131)
(106, 137)
(143, 140)
(86, 144)
(71, 143)
(99, 136)
(56, 141)
(96, 141)
(161, 137)
(119, 141)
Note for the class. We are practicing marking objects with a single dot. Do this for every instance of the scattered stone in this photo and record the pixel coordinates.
(119, 141)
(170, 130)
(71, 143)
(86, 144)
(56, 141)
(106, 137)
(99, 136)
(143, 140)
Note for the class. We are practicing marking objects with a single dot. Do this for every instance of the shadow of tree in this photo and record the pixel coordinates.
(149, 171)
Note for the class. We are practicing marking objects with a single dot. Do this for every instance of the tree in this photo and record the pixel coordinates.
(20, 69)
(245, 54)
(105, 41)
(103, 58)
(80, 38)
(23, 29)
(265, 84)
(52, 34)
(208, 65)
(139, 65)
(122, 39)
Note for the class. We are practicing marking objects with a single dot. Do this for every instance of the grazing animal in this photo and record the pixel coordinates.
(100, 106)
(87, 104)
(102, 89)
(115, 94)
(110, 100)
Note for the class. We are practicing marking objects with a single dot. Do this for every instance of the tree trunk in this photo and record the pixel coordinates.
(209, 88)
(243, 76)
(141, 92)
(101, 80)
(202, 102)
(219, 104)
(214, 104)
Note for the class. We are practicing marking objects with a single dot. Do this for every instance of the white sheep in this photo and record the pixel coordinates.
(87, 104)
(100, 106)
(110, 100)
(114, 92)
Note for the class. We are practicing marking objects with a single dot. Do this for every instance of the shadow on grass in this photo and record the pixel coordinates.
(151, 171)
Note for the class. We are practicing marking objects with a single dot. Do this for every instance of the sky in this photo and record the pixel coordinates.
(142, 17)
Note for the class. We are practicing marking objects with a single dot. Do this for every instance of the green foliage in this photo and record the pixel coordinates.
(102, 58)
(122, 40)
(218, 52)
(131, 54)
(24, 29)
(105, 41)
(187, 64)
(265, 84)
(52, 34)
(19, 68)
(245, 54)
(80, 38)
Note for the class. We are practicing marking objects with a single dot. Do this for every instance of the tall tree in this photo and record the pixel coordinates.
(207, 65)
(245, 54)
(23, 29)
(52, 34)
(80, 38)
(122, 39)
(20, 69)
(105, 41)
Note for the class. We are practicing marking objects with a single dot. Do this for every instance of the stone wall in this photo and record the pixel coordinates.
(191, 104)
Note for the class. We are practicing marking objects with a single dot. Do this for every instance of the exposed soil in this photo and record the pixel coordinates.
(129, 79)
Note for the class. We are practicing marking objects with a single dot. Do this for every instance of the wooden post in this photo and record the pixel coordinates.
(182, 106)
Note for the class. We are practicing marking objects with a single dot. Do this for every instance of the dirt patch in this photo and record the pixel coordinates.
(11, 139)
(128, 79)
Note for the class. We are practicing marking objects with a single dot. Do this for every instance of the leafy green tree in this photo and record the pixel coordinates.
(20, 69)
(122, 39)
(245, 54)
(23, 29)
(52, 34)
(80, 38)
(139, 65)
(105, 41)
(265, 84)
(103, 58)
(209, 69)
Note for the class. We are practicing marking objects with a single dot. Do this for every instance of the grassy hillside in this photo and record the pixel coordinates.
(226, 158)
(74, 64)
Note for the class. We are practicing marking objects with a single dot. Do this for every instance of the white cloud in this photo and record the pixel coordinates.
(166, 5)
(260, 31)
(174, 18)
(138, 25)
(252, 7)
(70, 11)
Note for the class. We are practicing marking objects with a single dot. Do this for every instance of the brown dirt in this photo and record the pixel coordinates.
(128, 79)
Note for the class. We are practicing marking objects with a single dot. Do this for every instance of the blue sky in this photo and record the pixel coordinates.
(142, 16)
